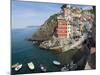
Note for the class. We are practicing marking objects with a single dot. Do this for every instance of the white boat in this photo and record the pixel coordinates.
(18, 67)
(64, 68)
(56, 62)
(14, 65)
(31, 65)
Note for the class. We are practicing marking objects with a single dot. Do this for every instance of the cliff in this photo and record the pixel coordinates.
(45, 32)
(78, 26)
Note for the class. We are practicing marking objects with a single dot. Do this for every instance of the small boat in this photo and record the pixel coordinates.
(14, 65)
(43, 69)
(56, 62)
(31, 65)
(64, 68)
(18, 67)
(73, 66)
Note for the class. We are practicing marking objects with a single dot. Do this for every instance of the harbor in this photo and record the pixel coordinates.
(46, 58)
(67, 67)
(26, 52)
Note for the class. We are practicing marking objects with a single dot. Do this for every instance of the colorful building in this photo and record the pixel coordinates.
(64, 28)
(61, 30)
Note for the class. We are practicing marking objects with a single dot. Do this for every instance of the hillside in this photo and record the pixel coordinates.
(47, 29)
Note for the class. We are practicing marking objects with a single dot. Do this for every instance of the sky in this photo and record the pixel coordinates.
(33, 13)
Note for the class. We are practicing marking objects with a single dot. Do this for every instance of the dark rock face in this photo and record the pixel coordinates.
(46, 31)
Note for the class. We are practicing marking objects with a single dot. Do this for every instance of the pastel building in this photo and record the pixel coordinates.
(61, 29)
(64, 28)
(69, 30)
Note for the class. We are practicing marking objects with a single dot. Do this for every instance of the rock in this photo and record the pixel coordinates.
(46, 31)
(46, 35)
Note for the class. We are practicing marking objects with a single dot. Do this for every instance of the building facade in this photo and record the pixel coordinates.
(61, 29)
(64, 28)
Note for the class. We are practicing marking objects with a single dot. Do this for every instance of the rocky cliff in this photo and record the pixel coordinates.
(80, 25)
(46, 30)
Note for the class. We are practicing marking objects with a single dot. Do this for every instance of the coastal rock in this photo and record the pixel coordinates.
(75, 26)
(46, 31)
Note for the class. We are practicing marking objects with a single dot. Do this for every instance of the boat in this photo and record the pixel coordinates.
(18, 67)
(64, 68)
(56, 62)
(14, 65)
(43, 69)
(31, 66)
(73, 66)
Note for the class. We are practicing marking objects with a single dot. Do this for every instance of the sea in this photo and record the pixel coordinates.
(23, 52)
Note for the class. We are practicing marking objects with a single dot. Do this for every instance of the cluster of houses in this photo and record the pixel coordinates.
(71, 24)
(72, 21)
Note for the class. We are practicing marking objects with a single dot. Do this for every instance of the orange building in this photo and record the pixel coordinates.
(61, 30)
(64, 28)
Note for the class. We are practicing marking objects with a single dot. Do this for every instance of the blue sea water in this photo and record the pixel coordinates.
(24, 51)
